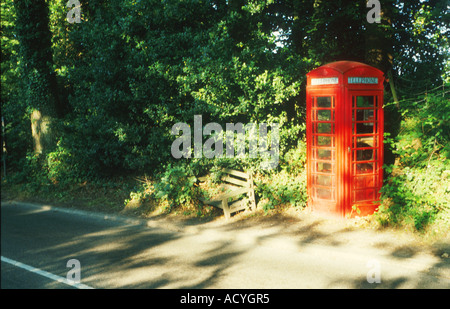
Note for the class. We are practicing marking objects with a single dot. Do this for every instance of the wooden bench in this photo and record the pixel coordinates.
(236, 184)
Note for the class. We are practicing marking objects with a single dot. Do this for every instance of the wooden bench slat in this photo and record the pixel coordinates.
(240, 183)
(235, 181)
(236, 173)
(236, 206)
(228, 195)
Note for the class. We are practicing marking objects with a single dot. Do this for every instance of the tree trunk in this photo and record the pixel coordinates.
(39, 81)
(379, 44)
(379, 41)
(41, 132)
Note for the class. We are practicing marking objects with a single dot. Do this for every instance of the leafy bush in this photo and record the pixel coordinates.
(281, 188)
(175, 185)
(417, 190)
(287, 184)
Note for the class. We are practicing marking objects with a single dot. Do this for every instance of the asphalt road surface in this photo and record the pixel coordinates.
(38, 241)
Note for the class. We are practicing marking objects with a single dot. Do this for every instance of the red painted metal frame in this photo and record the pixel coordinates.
(343, 178)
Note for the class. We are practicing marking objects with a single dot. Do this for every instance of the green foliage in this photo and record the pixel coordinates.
(282, 188)
(417, 190)
(18, 134)
(286, 185)
(175, 185)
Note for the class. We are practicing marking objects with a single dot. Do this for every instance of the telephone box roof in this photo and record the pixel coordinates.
(344, 66)
(355, 75)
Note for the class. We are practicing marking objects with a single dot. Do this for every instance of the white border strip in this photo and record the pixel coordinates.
(45, 274)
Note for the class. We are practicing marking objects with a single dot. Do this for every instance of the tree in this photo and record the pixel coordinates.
(39, 81)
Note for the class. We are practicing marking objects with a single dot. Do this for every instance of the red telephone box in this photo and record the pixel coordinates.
(344, 104)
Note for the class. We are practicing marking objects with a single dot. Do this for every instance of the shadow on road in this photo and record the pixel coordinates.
(272, 252)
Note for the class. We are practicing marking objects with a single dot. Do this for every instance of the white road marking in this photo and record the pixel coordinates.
(45, 274)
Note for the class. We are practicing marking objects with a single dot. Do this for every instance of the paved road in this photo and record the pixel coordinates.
(116, 252)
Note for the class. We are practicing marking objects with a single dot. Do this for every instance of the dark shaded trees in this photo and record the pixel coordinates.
(116, 82)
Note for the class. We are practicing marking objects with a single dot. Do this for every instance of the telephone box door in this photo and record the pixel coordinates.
(365, 150)
(322, 151)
